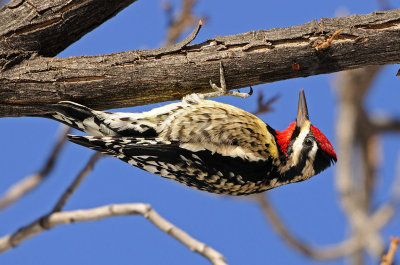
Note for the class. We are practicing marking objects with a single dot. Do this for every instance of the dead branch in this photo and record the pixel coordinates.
(386, 211)
(45, 28)
(355, 200)
(345, 248)
(185, 20)
(143, 77)
(354, 130)
(264, 107)
(389, 257)
(32, 181)
(55, 217)
(69, 217)
(386, 124)
(77, 181)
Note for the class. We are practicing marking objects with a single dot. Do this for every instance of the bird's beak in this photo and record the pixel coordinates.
(302, 111)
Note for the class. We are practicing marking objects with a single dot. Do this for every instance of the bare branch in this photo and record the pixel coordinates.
(32, 181)
(354, 130)
(389, 257)
(347, 247)
(185, 19)
(384, 124)
(264, 107)
(55, 217)
(143, 77)
(68, 217)
(386, 211)
(46, 28)
(77, 181)
(180, 45)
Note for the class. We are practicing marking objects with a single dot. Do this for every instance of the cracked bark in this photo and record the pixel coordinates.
(45, 28)
(143, 77)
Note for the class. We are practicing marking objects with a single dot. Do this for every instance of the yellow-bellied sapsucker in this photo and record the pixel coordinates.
(205, 144)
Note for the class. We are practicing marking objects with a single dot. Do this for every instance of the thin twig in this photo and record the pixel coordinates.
(77, 181)
(384, 125)
(324, 44)
(264, 107)
(185, 19)
(389, 257)
(178, 46)
(346, 247)
(30, 182)
(68, 217)
(386, 211)
(56, 217)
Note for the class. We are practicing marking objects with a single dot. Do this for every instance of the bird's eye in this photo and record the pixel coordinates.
(308, 142)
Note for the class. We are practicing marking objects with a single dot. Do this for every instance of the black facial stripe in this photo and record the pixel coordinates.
(296, 170)
(322, 160)
(270, 130)
(293, 138)
(295, 133)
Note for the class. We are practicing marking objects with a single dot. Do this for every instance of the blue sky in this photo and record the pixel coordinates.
(235, 227)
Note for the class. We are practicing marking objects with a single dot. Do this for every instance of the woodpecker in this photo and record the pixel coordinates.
(205, 144)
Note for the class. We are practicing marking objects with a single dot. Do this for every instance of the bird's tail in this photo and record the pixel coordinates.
(99, 123)
(79, 117)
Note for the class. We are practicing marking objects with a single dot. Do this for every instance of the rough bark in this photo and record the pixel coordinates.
(45, 28)
(142, 77)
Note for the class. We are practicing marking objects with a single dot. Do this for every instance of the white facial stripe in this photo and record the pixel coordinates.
(313, 152)
(298, 143)
(308, 170)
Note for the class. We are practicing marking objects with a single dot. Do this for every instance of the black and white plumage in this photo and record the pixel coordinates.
(205, 144)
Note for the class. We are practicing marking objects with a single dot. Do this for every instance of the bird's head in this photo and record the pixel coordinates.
(305, 150)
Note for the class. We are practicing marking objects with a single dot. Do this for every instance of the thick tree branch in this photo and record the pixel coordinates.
(45, 28)
(143, 77)
(353, 131)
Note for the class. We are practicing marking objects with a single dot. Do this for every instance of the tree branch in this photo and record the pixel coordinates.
(77, 181)
(47, 27)
(389, 257)
(346, 247)
(56, 217)
(185, 19)
(59, 218)
(353, 131)
(386, 124)
(143, 77)
(32, 181)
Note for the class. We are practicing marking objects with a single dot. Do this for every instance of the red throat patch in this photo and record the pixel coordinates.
(283, 137)
(323, 142)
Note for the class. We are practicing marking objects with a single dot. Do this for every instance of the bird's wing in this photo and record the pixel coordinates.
(200, 169)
